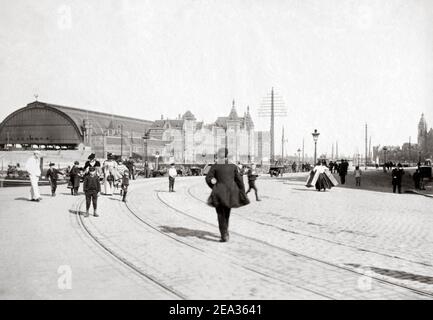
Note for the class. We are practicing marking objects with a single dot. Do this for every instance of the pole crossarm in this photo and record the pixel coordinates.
(272, 106)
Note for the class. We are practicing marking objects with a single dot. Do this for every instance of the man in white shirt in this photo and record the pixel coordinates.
(34, 170)
(172, 173)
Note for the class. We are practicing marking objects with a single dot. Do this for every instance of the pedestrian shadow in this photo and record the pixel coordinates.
(22, 199)
(397, 274)
(298, 189)
(69, 194)
(166, 191)
(76, 212)
(185, 232)
(115, 199)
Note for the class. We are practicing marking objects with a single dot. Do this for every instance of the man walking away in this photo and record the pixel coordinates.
(397, 175)
(172, 173)
(228, 190)
(34, 170)
(92, 188)
(358, 176)
(53, 175)
(342, 171)
(252, 177)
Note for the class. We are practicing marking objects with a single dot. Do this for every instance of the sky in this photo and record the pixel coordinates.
(336, 64)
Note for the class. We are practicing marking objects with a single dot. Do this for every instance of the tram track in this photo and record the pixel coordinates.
(177, 294)
(314, 237)
(147, 277)
(230, 258)
(301, 255)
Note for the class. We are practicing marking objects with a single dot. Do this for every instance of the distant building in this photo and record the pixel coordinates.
(187, 140)
(425, 138)
(183, 140)
(49, 126)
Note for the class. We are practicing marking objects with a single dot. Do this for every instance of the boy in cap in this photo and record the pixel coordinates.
(252, 177)
(172, 173)
(92, 188)
(53, 175)
(124, 185)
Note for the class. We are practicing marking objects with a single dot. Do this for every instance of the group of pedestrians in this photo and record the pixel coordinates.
(224, 178)
(91, 174)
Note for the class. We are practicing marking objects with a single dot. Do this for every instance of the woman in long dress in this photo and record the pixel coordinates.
(110, 174)
(321, 178)
(228, 191)
(92, 163)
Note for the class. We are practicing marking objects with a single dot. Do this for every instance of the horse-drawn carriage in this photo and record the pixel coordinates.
(277, 170)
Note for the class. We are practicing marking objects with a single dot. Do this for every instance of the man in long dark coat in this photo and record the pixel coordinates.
(228, 191)
(397, 175)
(342, 171)
(74, 175)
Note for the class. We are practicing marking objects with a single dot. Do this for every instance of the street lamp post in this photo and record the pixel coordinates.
(156, 160)
(145, 139)
(315, 135)
(299, 159)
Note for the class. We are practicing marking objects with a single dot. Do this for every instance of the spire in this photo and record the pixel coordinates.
(233, 114)
(248, 118)
(111, 124)
(422, 123)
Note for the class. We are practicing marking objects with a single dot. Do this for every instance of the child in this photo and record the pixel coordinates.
(92, 188)
(357, 176)
(125, 184)
(52, 176)
(172, 173)
(252, 176)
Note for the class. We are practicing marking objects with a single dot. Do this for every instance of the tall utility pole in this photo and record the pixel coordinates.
(272, 106)
(282, 145)
(366, 150)
(370, 157)
(410, 154)
(332, 153)
(272, 127)
(303, 155)
(121, 140)
(336, 150)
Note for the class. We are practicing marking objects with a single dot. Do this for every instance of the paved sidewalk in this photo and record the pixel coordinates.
(37, 239)
(296, 244)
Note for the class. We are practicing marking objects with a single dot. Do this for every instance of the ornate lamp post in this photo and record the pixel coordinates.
(315, 135)
(156, 160)
(145, 140)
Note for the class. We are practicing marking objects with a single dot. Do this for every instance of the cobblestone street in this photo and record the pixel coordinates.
(295, 244)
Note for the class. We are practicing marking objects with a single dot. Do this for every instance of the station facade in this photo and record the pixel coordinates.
(183, 140)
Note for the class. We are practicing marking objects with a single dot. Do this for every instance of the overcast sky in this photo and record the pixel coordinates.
(336, 64)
